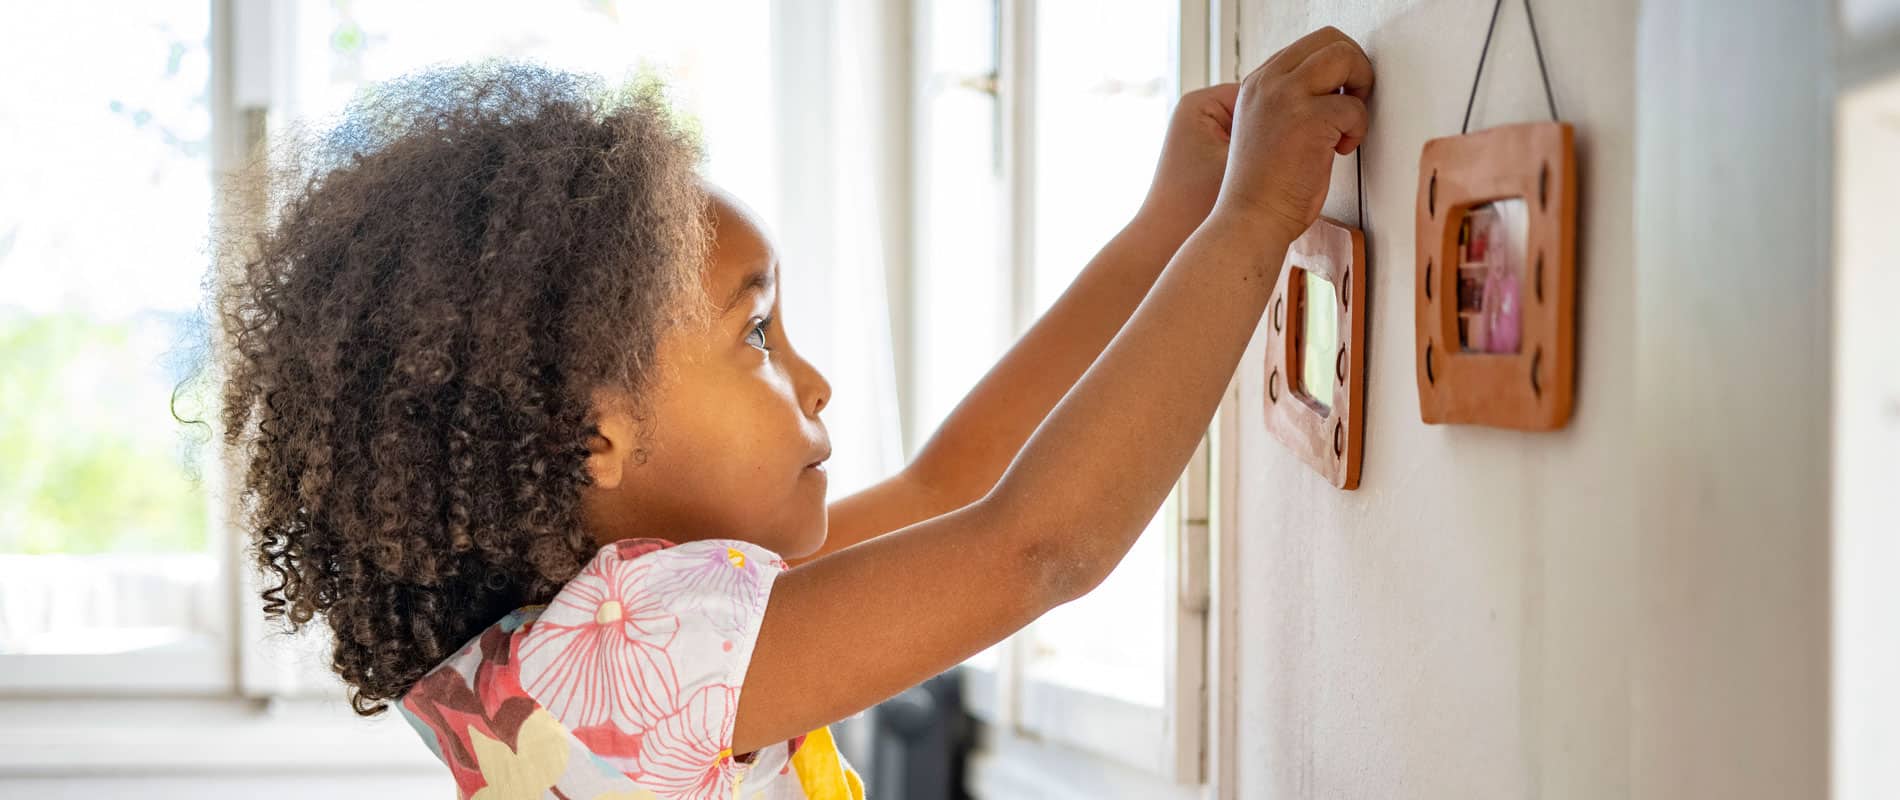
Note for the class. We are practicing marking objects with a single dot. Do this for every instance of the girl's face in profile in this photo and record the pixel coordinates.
(733, 442)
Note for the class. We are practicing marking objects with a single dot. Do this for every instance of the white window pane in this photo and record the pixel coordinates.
(1104, 88)
(962, 36)
(105, 544)
(1105, 85)
(961, 284)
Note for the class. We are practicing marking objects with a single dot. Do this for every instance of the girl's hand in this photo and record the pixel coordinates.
(1290, 118)
(1193, 159)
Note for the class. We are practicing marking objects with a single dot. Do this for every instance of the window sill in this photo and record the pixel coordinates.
(1100, 725)
(184, 671)
(1085, 722)
(1007, 765)
(117, 736)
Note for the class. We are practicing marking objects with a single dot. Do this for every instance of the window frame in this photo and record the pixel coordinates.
(198, 670)
(235, 707)
(249, 64)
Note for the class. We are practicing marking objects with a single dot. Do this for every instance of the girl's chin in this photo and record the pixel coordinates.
(801, 552)
(809, 544)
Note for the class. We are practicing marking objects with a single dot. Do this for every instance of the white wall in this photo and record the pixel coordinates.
(1730, 665)
(1634, 606)
(1867, 445)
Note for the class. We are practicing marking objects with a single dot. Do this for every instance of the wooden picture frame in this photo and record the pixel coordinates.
(1530, 387)
(1328, 436)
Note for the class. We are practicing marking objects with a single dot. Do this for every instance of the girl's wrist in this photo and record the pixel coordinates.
(1257, 220)
(1263, 244)
(1164, 225)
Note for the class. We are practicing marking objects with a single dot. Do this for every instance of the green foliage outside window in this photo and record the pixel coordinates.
(91, 459)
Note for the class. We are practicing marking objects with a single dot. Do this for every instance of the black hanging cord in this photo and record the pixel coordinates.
(1359, 165)
(1550, 98)
(1537, 45)
(1482, 52)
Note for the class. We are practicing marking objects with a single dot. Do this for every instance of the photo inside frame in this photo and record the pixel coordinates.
(1491, 276)
(1319, 338)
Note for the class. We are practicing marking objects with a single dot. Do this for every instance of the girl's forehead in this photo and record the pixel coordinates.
(741, 250)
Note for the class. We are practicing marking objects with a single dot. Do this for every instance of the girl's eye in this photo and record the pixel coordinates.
(764, 324)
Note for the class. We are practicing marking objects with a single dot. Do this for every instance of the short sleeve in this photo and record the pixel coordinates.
(644, 652)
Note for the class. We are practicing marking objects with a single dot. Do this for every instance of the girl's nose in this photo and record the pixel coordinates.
(813, 390)
(819, 392)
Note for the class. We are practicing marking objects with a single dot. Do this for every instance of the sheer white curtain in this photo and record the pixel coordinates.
(837, 234)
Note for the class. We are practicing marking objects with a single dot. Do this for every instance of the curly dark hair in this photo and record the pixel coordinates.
(412, 339)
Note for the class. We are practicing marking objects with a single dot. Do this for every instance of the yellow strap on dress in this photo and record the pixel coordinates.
(822, 773)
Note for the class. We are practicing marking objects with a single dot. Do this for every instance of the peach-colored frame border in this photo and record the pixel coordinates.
(1330, 441)
(1531, 389)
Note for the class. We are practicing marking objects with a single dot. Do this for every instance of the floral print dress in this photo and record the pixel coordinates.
(624, 686)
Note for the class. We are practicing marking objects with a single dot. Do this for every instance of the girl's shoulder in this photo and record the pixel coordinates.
(663, 554)
(640, 657)
(733, 569)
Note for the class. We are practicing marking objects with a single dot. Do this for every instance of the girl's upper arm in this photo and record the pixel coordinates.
(851, 629)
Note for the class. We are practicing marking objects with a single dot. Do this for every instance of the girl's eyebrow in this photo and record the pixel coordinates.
(758, 280)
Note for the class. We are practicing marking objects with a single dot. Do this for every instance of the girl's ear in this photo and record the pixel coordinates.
(611, 445)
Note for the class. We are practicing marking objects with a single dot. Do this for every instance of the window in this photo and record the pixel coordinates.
(111, 573)
(1038, 128)
(116, 570)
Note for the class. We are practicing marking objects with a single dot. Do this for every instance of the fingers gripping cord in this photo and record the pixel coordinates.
(1359, 165)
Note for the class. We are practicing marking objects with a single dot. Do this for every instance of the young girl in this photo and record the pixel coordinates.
(527, 433)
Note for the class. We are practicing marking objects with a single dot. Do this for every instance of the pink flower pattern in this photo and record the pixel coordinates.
(682, 757)
(729, 581)
(639, 658)
(598, 652)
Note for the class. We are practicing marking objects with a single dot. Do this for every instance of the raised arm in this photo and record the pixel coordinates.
(962, 460)
(848, 630)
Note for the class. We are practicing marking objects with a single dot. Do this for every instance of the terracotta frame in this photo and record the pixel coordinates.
(1532, 388)
(1330, 441)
